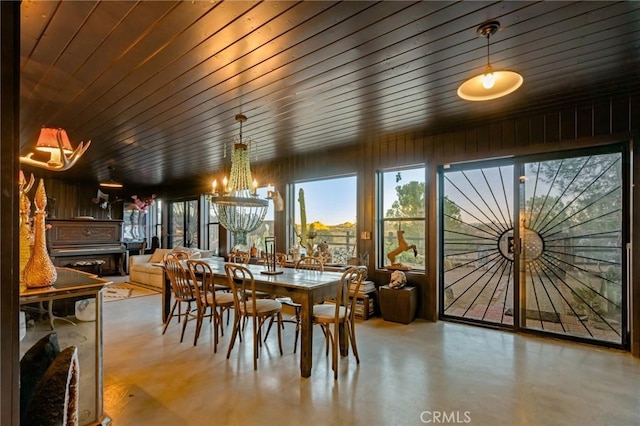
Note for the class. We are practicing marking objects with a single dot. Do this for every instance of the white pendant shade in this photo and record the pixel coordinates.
(505, 82)
(490, 84)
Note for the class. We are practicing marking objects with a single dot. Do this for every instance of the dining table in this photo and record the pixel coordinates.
(303, 286)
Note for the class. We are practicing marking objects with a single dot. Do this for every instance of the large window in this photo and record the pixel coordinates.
(211, 227)
(330, 211)
(183, 224)
(401, 235)
(265, 230)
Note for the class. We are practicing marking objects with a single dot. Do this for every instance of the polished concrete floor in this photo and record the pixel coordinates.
(422, 373)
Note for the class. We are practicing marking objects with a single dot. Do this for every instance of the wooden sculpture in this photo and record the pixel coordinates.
(402, 247)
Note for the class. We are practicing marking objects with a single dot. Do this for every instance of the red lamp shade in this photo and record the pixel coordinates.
(48, 140)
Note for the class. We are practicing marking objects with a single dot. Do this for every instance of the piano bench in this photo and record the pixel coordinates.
(91, 266)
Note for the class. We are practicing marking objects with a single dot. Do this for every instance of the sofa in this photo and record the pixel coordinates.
(143, 271)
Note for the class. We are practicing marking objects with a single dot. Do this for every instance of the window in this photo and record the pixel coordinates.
(142, 219)
(183, 224)
(401, 232)
(331, 210)
(265, 229)
(211, 227)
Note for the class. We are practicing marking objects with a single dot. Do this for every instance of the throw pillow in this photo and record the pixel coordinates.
(158, 255)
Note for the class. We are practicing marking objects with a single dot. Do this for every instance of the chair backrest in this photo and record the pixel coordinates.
(239, 257)
(349, 286)
(310, 262)
(178, 254)
(281, 259)
(201, 270)
(242, 284)
(181, 283)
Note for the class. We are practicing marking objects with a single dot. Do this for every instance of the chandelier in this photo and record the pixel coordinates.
(237, 206)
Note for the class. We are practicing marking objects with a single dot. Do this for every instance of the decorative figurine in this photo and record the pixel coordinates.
(398, 280)
(402, 246)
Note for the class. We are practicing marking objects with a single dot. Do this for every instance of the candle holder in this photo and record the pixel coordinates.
(270, 257)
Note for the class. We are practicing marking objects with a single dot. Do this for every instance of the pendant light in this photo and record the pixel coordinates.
(490, 84)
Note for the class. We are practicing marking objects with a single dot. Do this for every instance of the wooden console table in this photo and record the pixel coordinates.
(73, 284)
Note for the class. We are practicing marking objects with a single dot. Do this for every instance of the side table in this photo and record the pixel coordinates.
(398, 305)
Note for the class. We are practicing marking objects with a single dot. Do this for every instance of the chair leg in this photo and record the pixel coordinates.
(335, 349)
(221, 322)
(352, 338)
(295, 342)
(215, 318)
(199, 321)
(268, 329)
(166, 324)
(256, 341)
(280, 331)
(327, 338)
(186, 319)
(234, 333)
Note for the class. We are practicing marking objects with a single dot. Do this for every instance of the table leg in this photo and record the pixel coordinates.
(306, 336)
(166, 298)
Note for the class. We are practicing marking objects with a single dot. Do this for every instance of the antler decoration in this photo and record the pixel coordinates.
(23, 185)
(62, 157)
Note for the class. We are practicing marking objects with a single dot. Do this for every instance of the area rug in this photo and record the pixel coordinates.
(126, 290)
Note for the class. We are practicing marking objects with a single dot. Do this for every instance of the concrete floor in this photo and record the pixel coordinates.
(422, 373)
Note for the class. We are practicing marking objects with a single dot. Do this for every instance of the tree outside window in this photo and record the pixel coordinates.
(402, 208)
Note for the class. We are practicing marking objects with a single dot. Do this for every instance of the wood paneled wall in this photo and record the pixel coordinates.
(66, 200)
(9, 210)
(599, 122)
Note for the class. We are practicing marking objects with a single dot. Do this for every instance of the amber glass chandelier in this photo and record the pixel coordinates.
(237, 205)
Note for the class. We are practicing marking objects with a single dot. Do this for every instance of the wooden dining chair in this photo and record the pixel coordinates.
(281, 259)
(258, 310)
(185, 291)
(341, 311)
(178, 254)
(216, 301)
(242, 257)
(310, 263)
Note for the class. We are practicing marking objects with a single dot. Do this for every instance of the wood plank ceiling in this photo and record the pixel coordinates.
(155, 85)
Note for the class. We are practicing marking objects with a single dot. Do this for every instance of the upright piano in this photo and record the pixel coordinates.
(74, 242)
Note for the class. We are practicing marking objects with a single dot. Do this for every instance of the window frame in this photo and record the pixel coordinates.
(293, 210)
(381, 261)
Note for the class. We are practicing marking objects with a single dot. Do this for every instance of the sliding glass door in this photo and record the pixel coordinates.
(477, 245)
(537, 244)
(573, 265)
